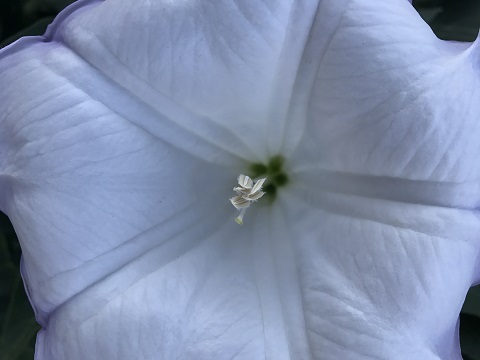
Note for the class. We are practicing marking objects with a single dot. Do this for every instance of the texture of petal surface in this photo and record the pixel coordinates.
(124, 129)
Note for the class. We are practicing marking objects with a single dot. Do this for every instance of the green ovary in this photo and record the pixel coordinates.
(274, 172)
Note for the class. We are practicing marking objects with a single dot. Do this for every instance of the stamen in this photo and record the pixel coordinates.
(239, 218)
(248, 192)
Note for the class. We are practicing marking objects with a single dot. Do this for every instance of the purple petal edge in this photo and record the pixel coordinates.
(51, 31)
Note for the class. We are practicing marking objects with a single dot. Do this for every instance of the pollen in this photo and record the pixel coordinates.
(248, 192)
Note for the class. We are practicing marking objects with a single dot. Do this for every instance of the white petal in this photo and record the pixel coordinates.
(89, 190)
(234, 62)
(91, 161)
(122, 266)
(381, 279)
(201, 305)
(390, 99)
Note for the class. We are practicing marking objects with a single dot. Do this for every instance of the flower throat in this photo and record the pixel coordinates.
(275, 174)
(251, 188)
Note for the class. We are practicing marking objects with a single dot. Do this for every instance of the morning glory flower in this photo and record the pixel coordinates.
(125, 128)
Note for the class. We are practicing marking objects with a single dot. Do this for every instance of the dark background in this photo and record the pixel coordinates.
(450, 19)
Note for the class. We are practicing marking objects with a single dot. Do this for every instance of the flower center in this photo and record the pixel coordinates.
(268, 178)
(275, 174)
(248, 192)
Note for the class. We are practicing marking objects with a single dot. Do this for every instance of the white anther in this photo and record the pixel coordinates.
(247, 192)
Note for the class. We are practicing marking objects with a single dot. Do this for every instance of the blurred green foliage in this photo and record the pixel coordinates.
(17, 323)
(450, 20)
(27, 17)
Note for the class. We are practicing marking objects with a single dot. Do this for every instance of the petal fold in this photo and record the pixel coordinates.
(86, 182)
(390, 99)
(381, 279)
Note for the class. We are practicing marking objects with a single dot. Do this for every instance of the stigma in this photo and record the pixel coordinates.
(248, 192)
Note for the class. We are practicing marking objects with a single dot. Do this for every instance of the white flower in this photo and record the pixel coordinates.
(121, 132)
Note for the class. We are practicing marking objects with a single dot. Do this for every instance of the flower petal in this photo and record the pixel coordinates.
(201, 305)
(389, 245)
(390, 99)
(381, 279)
(125, 257)
(103, 174)
(89, 190)
(165, 49)
(58, 146)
